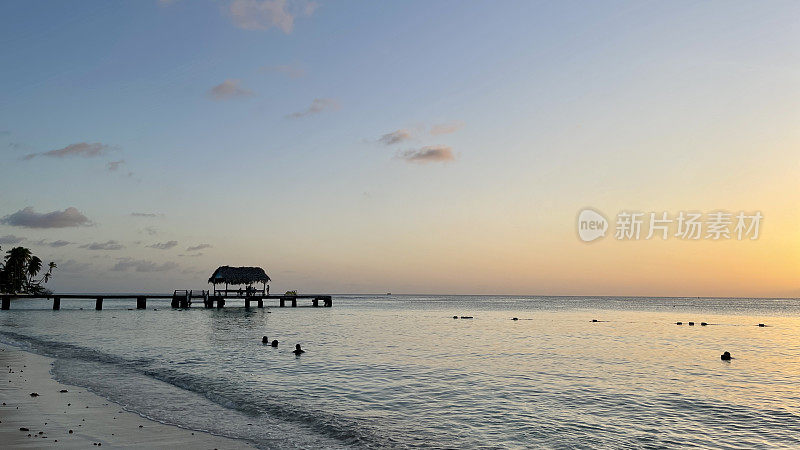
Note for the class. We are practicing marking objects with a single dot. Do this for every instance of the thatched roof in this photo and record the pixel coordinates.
(239, 275)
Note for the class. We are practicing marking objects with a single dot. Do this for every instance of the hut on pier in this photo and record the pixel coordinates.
(237, 276)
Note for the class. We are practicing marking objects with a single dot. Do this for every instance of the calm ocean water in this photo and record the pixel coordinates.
(398, 371)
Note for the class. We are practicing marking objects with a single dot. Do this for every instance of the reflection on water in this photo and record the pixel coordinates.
(399, 371)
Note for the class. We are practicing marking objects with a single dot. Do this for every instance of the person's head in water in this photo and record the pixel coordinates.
(275, 343)
(264, 340)
(298, 350)
(725, 356)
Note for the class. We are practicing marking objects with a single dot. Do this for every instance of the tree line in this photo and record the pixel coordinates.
(20, 272)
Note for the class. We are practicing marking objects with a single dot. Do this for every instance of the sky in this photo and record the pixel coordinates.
(439, 147)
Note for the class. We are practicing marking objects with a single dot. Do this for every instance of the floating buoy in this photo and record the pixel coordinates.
(725, 356)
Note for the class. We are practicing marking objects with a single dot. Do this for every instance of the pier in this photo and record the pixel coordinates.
(181, 299)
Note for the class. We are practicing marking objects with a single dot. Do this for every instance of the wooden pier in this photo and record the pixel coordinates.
(180, 299)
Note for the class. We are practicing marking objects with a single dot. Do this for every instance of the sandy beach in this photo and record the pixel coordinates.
(67, 416)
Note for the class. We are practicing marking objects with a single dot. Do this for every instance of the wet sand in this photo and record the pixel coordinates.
(94, 421)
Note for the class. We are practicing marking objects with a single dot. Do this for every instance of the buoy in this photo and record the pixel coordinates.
(725, 356)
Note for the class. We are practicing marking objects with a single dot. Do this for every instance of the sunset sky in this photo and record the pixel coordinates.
(405, 147)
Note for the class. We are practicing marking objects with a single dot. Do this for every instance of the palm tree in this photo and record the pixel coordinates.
(19, 270)
(15, 268)
(34, 266)
(50, 267)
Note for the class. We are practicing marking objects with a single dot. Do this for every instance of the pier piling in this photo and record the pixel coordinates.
(141, 302)
(6, 302)
(261, 303)
(98, 303)
(56, 303)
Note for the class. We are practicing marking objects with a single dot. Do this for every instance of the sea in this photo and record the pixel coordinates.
(399, 371)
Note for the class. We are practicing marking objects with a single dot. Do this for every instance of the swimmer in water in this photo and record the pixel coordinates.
(725, 356)
(298, 350)
(275, 343)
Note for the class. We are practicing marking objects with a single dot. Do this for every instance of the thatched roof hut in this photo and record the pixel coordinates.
(239, 275)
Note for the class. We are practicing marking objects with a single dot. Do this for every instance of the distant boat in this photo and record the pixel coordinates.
(388, 293)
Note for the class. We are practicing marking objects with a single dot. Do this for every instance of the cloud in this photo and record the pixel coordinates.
(151, 231)
(20, 146)
(54, 244)
(266, 14)
(164, 245)
(317, 106)
(29, 218)
(141, 214)
(396, 137)
(141, 265)
(229, 89)
(198, 247)
(432, 153)
(109, 245)
(72, 266)
(114, 165)
(192, 255)
(290, 70)
(446, 128)
(11, 239)
(83, 149)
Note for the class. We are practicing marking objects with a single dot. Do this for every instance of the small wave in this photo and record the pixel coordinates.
(222, 392)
